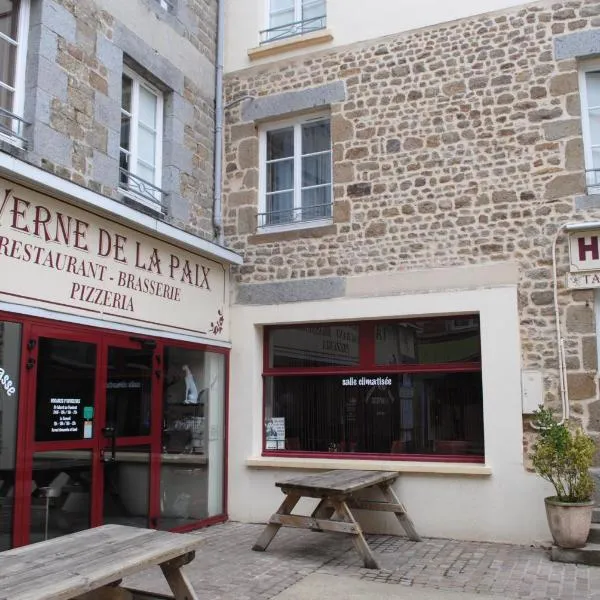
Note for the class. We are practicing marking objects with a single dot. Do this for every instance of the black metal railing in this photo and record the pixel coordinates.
(301, 214)
(291, 29)
(12, 128)
(141, 188)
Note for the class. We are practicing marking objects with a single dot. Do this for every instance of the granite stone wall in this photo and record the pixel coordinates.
(77, 50)
(455, 145)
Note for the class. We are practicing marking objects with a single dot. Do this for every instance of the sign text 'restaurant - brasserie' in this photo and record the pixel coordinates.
(72, 245)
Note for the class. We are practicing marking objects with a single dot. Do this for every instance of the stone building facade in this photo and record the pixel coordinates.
(457, 152)
(75, 58)
(454, 145)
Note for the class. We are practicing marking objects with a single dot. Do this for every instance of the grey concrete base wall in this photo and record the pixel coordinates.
(76, 54)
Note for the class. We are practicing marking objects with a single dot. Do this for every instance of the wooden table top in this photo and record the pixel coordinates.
(68, 566)
(339, 481)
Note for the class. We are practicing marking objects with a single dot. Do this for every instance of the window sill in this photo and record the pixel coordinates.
(154, 207)
(313, 38)
(434, 468)
(275, 234)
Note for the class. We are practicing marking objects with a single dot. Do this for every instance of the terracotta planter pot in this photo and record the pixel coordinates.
(569, 522)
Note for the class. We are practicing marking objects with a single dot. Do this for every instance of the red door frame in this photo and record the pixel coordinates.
(35, 327)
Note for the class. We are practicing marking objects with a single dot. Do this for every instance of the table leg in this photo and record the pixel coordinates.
(324, 510)
(270, 531)
(403, 518)
(178, 582)
(358, 539)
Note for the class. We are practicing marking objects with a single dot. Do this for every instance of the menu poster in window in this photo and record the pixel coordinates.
(64, 419)
(275, 433)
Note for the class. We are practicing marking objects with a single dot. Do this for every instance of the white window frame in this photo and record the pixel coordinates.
(18, 91)
(297, 15)
(262, 178)
(587, 67)
(138, 82)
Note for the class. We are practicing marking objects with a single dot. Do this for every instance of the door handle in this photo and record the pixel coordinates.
(110, 432)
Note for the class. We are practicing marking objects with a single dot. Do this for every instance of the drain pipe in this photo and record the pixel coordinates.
(218, 171)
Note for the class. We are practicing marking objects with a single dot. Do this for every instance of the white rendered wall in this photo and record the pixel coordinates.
(349, 21)
(504, 506)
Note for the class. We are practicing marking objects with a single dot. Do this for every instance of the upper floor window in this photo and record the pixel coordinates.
(295, 171)
(14, 21)
(293, 17)
(141, 140)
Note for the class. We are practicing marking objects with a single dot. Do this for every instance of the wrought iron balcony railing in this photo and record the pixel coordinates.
(289, 216)
(12, 128)
(291, 29)
(140, 188)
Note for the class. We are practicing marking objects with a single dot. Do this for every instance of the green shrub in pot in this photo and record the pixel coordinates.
(563, 454)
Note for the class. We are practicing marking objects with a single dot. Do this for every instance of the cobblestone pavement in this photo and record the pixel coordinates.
(227, 568)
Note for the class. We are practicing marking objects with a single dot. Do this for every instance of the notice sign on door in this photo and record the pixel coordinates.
(66, 415)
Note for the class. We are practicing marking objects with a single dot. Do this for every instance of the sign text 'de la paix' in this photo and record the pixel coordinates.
(97, 264)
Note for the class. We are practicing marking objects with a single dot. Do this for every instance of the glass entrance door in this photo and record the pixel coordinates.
(129, 434)
(96, 427)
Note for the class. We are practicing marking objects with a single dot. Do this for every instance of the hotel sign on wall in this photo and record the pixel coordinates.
(56, 256)
(584, 255)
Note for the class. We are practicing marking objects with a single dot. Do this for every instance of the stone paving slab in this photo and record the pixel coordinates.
(226, 568)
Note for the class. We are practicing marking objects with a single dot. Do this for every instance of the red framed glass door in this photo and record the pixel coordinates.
(92, 431)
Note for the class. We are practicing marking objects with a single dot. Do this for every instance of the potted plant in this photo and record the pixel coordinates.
(563, 455)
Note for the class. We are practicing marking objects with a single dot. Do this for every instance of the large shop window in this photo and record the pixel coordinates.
(407, 389)
(14, 21)
(141, 140)
(295, 172)
(288, 18)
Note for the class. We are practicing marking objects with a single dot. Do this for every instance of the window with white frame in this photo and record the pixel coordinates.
(14, 24)
(295, 169)
(141, 139)
(294, 17)
(589, 86)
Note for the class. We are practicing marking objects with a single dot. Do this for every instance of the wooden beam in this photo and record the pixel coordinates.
(403, 518)
(179, 583)
(373, 505)
(270, 531)
(302, 522)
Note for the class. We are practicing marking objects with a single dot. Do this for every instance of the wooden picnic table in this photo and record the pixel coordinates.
(90, 564)
(337, 493)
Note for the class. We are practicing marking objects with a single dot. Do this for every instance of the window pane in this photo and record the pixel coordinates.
(9, 12)
(316, 137)
(280, 176)
(319, 346)
(10, 359)
(280, 143)
(428, 341)
(146, 145)
(596, 161)
(278, 5)
(316, 203)
(192, 474)
(147, 108)
(418, 414)
(592, 82)
(312, 9)
(8, 54)
(316, 169)
(595, 126)
(126, 93)
(6, 102)
(66, 380)
(279, 208)
(125, 132)
(146, 173)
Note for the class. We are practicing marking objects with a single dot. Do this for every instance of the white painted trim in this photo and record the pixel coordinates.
(78, 320)
(441, 468)
(295, 226)
(32, 176)
(22, 38)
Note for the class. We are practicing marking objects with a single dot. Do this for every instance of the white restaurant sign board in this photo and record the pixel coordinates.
(56, 256)
(584, 259)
